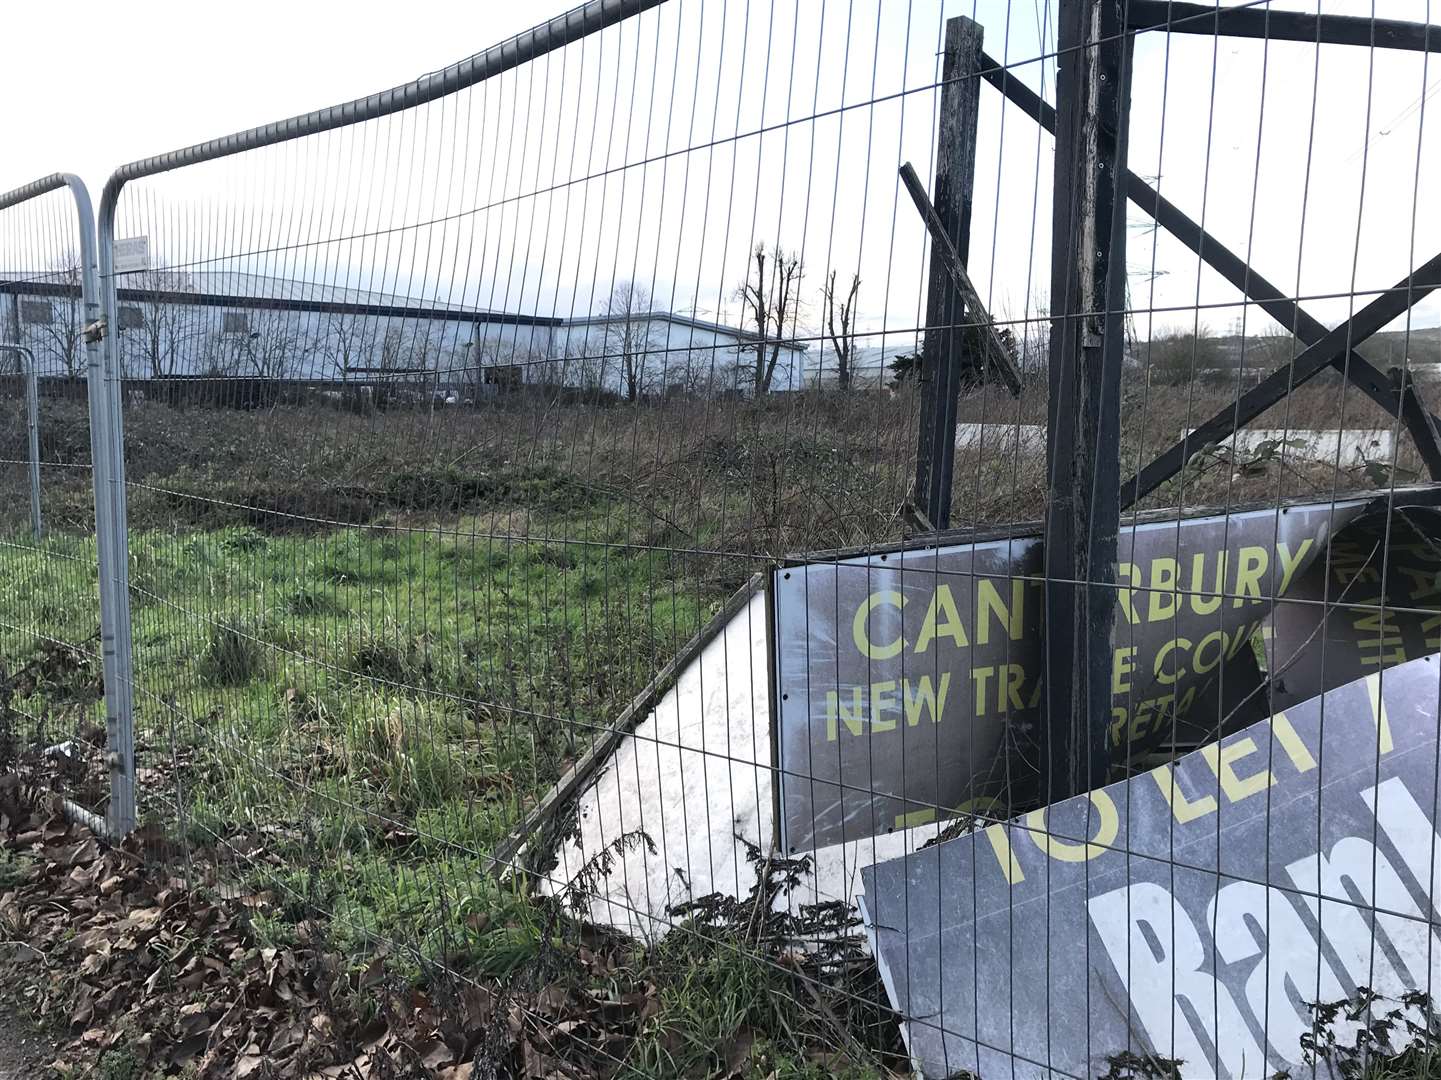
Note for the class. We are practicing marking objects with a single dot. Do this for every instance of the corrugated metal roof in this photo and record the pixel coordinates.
(241, 288)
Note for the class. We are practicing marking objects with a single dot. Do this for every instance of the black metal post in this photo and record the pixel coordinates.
(1088, 291)
(943, 360)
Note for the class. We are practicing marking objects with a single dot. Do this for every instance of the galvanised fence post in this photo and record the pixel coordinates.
(102, 391)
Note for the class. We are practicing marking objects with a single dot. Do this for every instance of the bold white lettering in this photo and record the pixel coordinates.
(1138, 924)
(1408, 829)
(1252, 920)
(1355, 876)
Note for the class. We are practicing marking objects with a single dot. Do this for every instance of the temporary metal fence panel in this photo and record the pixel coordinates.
(65, 620)
(523, 485)
(28, 379)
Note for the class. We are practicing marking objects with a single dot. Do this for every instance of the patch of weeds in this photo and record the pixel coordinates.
(1365, 1037)
(435, 906)
(12, 871)
(403, 748)
(705, 1008)
(232, 656)
(501, 952)
(433, 489)
(460, 826)
(304, 707)
(120, 1064)
(1369, 1037)
(243, 540)
(394, 657)
(557, 555)
(338, 575)
(1128, 1065)
(737, 975)
(205, 821)
(538, 486)
(309, 601)
(337, 833)
(271, 932)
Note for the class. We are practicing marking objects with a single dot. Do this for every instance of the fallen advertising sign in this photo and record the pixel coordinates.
(1191, 912)
(1381, 581)
(906, 681)
(900, 675)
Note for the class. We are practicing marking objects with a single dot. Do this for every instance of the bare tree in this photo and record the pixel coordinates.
(166, 322)
(269, 352)
(552, 369)
(698, 376)
(351, 341)
(221, 355)
(425, 351)
(1176, 357)
(843, 336)
(62, 334)
(771, 299)
(628, 335)
(393, 349)
(582, 362)
(1270, 349)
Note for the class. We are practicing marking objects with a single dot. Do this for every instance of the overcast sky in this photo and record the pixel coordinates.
(665, 149)
(145, 76)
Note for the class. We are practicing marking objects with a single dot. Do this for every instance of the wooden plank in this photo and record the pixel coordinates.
(1371, 318)
(946, 362)
(1420, 423)
(1273, 24)
(995, 352)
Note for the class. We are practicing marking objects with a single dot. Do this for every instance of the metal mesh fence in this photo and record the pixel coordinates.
(938, 614)
(50, 628)
(499, 453)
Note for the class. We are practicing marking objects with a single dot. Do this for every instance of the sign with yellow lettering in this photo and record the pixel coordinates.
(1191, 912)
(1381, 587)
(908, 684)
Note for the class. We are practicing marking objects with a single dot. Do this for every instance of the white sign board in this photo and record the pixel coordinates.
(132, 254)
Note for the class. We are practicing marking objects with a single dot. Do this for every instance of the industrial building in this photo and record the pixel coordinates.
(188, 324)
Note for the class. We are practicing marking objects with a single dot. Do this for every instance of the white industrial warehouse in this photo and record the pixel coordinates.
(175, 324)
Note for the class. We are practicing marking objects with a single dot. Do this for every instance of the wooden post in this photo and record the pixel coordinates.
(1270, 299)
(1088, 291)
(943, 362)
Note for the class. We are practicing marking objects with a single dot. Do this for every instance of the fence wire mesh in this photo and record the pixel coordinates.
(50, 628)
(590, 543)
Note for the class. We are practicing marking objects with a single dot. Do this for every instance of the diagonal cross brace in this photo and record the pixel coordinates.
(1390, 304)
(992, 348)
(1380, 388)
(1420, 424)
(1273, 24)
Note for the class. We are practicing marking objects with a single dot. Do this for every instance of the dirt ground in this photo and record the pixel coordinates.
(22, 1051)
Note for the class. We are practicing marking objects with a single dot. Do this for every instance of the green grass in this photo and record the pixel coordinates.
(12, 870)
(361, 657)
(386, 701)
(346, 722)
